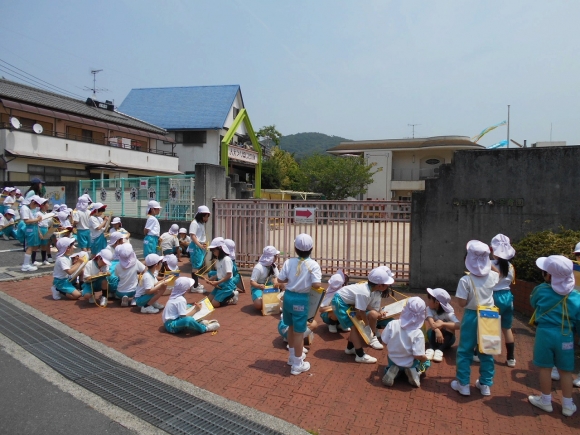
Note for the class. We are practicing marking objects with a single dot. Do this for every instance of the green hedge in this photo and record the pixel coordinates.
(542, 244)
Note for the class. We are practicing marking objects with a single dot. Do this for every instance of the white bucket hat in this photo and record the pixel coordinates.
(152, 260)
(115, 237)
(171, 261)
(380, 276)
(182, 231)
(181, 285)
(203, 209)
(231, 247)
(215, 243)
(126, 254)
(477, 260)
(303, 242)
(152, 204)
(502, 248)
(174, 229)
(335, 282)
(9, 211)
(106, 255)
(442, 297)
(62, 245)
(562, 271)
(116, 220)
(413, 314)
(268, 255)
(577, 248)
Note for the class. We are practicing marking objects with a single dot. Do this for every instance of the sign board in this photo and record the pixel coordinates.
(152, 193)
(55, 194)
(103, 194)
(118, 194)
(304, 215)
(243, 155)
(144, 184)
(133, 194)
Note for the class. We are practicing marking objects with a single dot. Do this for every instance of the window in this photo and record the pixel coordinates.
(236, 111)
(432, 161)
(191, 137)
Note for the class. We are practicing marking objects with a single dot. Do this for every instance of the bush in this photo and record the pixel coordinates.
(542, 244)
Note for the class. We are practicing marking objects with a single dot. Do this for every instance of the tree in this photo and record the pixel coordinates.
(335, 177)
(280, 171)
(269, 132)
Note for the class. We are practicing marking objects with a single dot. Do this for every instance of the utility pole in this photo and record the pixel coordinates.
(508, 127)
(413, 126)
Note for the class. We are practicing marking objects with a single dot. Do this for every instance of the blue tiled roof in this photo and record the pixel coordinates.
(201, 107)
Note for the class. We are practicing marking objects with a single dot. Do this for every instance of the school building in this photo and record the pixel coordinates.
(209, 125)
(403, 165)
(59, 139)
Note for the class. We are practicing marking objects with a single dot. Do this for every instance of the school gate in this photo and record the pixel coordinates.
(353, 235)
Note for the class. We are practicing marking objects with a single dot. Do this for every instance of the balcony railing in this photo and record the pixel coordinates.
(414, 174)
(109, 142)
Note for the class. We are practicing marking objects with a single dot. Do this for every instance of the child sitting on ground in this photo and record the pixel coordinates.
(442, 323)
(377, 318)
(100, 286)
(127, 271)
(235, 273)
(406, 344)
(149, 290)
(264, 274)
(225, 292)
(184, 242)
(168, 241)
(63, 268)
(556, 315)
(335, 283)
(7, 225)
(359, 297)
(176, 316)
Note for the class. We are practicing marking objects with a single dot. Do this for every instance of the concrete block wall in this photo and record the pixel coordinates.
(483, 193)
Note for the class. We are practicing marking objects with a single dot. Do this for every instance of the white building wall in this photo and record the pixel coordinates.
(238, 104)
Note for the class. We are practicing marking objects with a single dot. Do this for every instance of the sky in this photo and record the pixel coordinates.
(362, 70)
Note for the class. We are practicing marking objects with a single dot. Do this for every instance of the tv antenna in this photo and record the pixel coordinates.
(94, 72)
(413, 126)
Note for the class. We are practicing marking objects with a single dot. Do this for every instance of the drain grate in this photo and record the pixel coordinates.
(161, 405)
(4, 276)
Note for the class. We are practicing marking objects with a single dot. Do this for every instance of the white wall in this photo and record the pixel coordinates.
(230, 118)
(189, 155)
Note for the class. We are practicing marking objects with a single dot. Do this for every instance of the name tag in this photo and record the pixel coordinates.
(299, 308)
(568, 346)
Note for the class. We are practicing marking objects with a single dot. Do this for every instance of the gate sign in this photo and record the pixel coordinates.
(133, 194)
(304, 215)
(152, 193)
(103, 194)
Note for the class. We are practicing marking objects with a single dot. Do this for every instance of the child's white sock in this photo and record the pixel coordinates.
(547, 399)
(292, 353)
(567, 402)
(26, 260)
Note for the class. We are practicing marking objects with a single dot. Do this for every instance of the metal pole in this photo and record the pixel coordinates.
(508, 127)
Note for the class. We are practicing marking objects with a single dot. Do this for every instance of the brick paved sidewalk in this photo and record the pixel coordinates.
(246, 362)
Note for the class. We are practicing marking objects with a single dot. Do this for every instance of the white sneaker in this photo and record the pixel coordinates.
(37, 263)
(390, 376)
(55, 294)
(365, 359)
(28, 268)
(461, 389)
(158, 305)
(484, 389)
(374, 343)
(303, 367)
(234, 300)
(555, 374)
(350, 351)
(5, 237)
(475, 358)
(198, 289)
(46, 263)
(413, 377)
(149, 310)
(303, 357)
(103, 301)
(438, 356)
(537, 402)
(344, 329)
(50, 260)
(333, 329)
(576, 382)
(133, 302)
(213, 326)
(92, 300)
(429, 353)
(125, 301)
(511, 362)
(568, 411)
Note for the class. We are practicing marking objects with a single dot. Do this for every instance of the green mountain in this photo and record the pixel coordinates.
(305, 144)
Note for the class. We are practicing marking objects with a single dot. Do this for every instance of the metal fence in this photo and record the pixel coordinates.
(128, 197)
(353, 235)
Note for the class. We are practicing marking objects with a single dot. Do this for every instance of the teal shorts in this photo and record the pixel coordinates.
(84, 238)
(196, 256)
(295, 310)
(224, 290)
(143, 300)
(63, 285)
(43, 231)
(94, 286)
(32, 236)
(340, 308)
(504, 300)
(551, 348)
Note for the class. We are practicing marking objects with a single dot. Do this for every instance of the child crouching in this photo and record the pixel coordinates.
(63, 268)
(442, 323)
(176, 317)
(406, 344)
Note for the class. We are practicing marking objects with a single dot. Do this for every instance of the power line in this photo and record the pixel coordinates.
(41, 83)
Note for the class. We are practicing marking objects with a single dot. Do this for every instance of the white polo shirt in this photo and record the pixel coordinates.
(309, 274)
(358, 295)
(402, 344)
(484, 284)
(128, 279)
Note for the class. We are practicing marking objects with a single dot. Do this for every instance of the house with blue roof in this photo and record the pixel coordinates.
(199, 119)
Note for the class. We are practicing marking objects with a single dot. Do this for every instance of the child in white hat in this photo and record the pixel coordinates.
(152, 229)
(503, 298)
(149, 290)
(224, 292)
(184, 242)
(481, 279)
(359, 297)
(7, 230)
(377, 318)
(168, 241)
(264, 274)
(442, 323)
(298, 275)
(97, 226)
(63, 268)
(128, 271)
(31, 217)
(198, 245)
(176, 316)
(115, 239)
(97, 289)
(556, 315)
(335, 283)
(235, 273)
(406, 344)
(81, 219)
